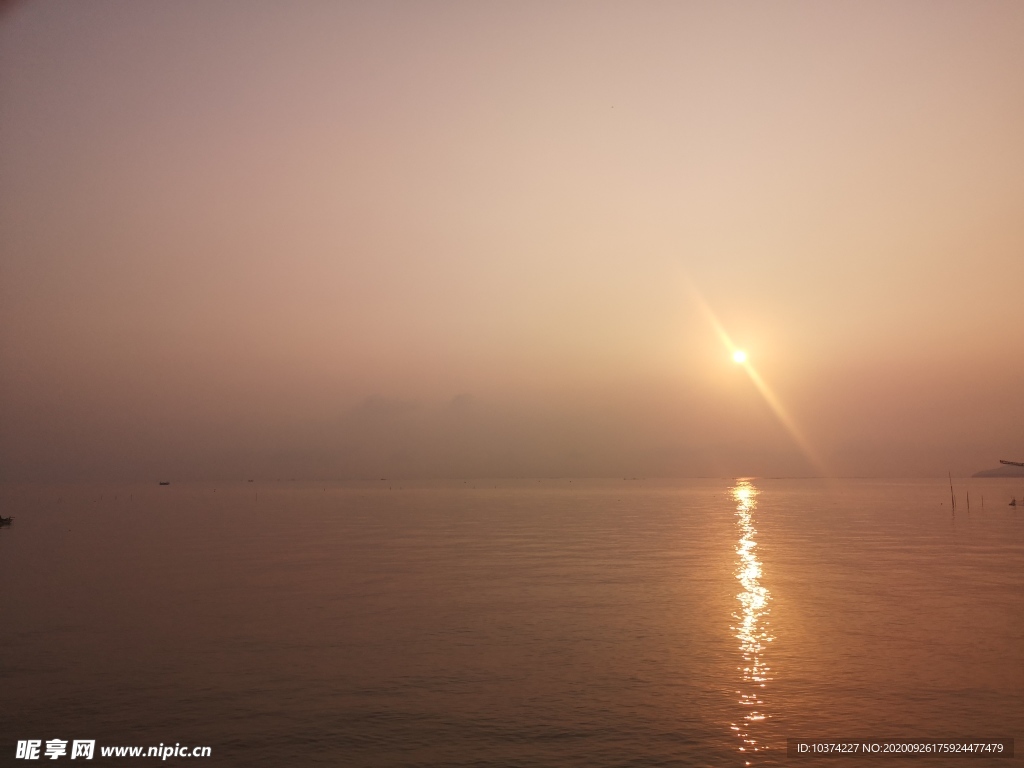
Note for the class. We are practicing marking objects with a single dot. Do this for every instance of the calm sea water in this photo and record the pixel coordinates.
(528, 623)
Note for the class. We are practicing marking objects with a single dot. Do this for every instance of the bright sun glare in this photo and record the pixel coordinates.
(739, 356)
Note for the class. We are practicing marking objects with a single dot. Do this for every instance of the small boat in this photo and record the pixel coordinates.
(165, 482)
(1013, 502)
(5, 520)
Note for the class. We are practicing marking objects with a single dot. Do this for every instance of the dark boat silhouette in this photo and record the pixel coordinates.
(5, 520)
(165, 482)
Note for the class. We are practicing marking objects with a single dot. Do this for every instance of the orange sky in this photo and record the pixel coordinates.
(344, 239)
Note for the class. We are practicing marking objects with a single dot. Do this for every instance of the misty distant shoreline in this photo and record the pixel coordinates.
(481, 480)
(1006, 470)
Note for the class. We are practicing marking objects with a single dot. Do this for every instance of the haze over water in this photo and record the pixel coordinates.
(532, 623)
(462, 239)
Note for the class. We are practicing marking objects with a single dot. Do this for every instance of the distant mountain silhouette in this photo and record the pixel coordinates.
(1005, 470)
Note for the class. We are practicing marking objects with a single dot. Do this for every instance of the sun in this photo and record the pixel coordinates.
(739, 356)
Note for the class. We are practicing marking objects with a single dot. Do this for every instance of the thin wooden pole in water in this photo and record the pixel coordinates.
(951, 496)
(968, 502)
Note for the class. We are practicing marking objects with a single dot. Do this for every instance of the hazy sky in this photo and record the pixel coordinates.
(328, 239)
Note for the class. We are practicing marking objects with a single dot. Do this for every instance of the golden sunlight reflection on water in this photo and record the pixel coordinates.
(751, 626)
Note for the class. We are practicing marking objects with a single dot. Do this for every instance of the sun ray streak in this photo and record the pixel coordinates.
(786, 420)
(773, 402)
